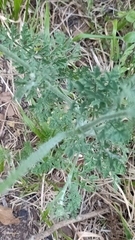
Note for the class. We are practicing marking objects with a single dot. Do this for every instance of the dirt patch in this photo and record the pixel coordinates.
(26, 217)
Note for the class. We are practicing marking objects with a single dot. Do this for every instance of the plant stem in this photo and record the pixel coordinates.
(84, 129)
(53, 89)
(57, 92)
(14, 57)
(60, 197)
(31, 161)
(45, 148)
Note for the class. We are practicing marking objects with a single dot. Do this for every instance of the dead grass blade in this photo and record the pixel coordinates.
(88, 234)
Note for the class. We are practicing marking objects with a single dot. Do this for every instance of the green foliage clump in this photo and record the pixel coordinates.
(84, 112)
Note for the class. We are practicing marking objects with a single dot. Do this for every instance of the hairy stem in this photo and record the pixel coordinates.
(31, 161)
(14, 57)
(85, 128)
(45, 148)
(53, 89)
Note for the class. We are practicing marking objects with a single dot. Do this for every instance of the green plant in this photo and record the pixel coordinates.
(127, 22)
(20, 11)
(114, 40)
(13, 8)
(127, 230)
(4, 156)
(88, 113)
(90, 4)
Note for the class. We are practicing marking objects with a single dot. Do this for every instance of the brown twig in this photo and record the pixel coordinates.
(59, 225)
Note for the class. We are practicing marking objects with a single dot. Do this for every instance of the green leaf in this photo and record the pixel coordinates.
(130, 17)
(45, 217)
(127, 53)
(129, 37)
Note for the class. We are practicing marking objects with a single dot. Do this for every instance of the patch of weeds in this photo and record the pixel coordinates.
(12, 9)
(79, 111)
(28, 186)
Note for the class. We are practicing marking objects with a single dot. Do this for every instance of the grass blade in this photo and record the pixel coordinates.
(127, 231)
(3, 4)
(114, 43)
(47, 22)
(42, 133)
(92, 36)
(34, 19)
(31, 161)
(17, 8)
(26, 11)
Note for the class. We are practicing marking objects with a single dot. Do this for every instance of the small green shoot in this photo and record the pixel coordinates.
(128, 233)
(42, 131)
(26, 10)
(92, 36)
(4, 155)
(17, 8)
(34, 20)
(64, 235)
(114, 43)
(46, 219)
(90, 4)
(47, 22)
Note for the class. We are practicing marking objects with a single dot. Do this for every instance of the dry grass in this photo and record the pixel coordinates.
(71, 17)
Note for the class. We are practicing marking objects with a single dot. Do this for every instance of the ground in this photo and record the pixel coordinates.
(71, 17)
